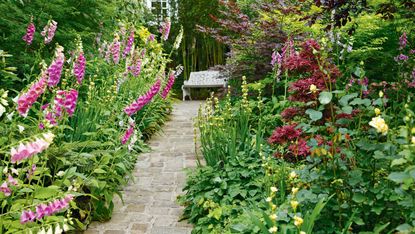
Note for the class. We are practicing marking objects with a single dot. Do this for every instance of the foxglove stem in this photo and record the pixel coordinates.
(29, 149)
(55, 68)
(129, 45)
(49, 31)
(26, 100)
(30, 33)
(169, 85)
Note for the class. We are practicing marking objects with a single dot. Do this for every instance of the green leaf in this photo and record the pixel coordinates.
(325, 97)
(347, 109)
(48, 192)
(314, 115)
(398, 177)
(398, 162)
(359, 198)
(99, 171)
(345, 99)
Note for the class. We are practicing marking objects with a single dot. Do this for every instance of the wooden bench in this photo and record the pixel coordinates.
(203, 79)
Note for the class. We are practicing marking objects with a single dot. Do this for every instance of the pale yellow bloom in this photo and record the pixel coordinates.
(379, 124)
(273, 229)
(313, 88)
(294, 191)
(303, 232)
(269, 199)
(274, 189)
(413, 140)
(294, 204)
(298, 221)
(377, 111)
(381, 94)
(293, 175)
(413, 130)
(273, 217)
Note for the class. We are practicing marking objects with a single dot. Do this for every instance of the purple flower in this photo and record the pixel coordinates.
(273, 58)
(136, 69)
(49, 31)
(30, 33)
(401, 57)
(55, 68)
(403, 41)
(79, 67)
(5, 189)
(130, 42)
(169, 85)
(165, 29)
(143, 100)
(12, 180)
(27, 216)
(151, 38)
(115, 49)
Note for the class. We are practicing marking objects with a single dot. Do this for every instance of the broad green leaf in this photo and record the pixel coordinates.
(314, 115)
(45, 193)
(325, 97)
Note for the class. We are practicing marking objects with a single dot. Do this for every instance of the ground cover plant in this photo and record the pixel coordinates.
(327, 135)
(70, 139)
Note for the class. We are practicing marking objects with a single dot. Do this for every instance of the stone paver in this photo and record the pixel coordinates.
(150, 201)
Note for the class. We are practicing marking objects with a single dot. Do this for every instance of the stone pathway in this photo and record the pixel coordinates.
(150, 202)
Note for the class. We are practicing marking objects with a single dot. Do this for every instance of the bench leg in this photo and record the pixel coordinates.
(186, 92)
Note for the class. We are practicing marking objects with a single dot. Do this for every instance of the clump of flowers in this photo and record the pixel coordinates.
(65, 101)
(30, 32)
(379, 124)
(169, 85)
(26, 100)
(27, 150)
(55, 68)
(43, 210)
(129, 44)
(115, 49)
(143, 100)
(165, 29)
(128, 134)
(79, 65)
(49, 31)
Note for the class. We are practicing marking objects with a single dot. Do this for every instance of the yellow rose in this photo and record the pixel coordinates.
(377, 111)
(313, 88)
(379, 124)
(381, 94)
(298, 221)
(294, 204)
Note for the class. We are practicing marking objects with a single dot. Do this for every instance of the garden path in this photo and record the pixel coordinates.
(150, 202)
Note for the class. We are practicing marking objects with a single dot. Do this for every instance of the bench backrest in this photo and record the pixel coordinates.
(205, 78)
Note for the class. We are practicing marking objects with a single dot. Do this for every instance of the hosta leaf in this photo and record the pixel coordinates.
(314, 115)
(325, 97)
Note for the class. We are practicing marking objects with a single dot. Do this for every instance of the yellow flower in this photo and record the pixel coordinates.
(298, 221)
(381, 94)
(273, 229)
(274, 189)
(294, 204)
(269, 199)
(413, 140)
(377, 111)
(379, 124)
(292, 175)
(294, 191)
(413, 130)
(313, 88)
(303, 232)
(273, 217)
(143, 33)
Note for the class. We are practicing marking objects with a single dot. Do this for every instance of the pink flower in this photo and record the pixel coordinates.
(401, 57)
(403, 40)
(79, 67)
(143, 100)
(12, 180)
(136, 69)
(31, 171)
(65, 101)
(55, 68)
(169, 85)
(29, 149)
(115, 49)
(5, 189)
(27, 216)
(165, 29)
(49, 31)
(26, 100)
(30, 33)
(151, 38)
(128, 134)
(130, 42)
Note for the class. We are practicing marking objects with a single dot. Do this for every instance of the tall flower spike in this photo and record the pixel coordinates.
(165, 29)
(129, 44)
(29, 149)
(79, 67)
(30, 32)
(55, 68)
(26, 100)
(115, 49)
(403, 41)
(49, 31)
(143, 100)
(128, 134)
(169, 85)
